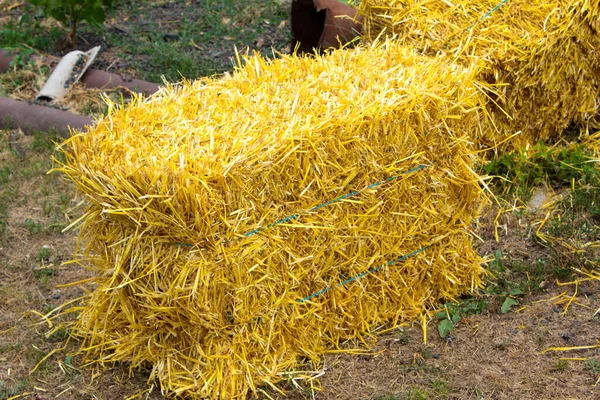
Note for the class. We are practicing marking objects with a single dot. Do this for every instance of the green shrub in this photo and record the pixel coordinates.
(75, 11)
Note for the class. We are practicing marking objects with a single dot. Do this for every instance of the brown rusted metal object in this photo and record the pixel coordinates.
(5, 60)
(307, 26)
(318, 25)
(31, 118)
(95, 78)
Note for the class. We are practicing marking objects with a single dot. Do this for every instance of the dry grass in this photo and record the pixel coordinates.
(25, 81)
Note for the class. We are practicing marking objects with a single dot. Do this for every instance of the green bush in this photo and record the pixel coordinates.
(75, 11)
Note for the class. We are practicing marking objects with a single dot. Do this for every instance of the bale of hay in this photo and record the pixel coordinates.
(244, 225)
(541, 56)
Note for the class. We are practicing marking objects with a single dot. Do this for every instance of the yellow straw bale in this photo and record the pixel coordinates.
(541, 56)
(241, 227)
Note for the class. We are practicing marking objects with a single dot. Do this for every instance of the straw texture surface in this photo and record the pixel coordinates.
(542, 57)
(241, 227)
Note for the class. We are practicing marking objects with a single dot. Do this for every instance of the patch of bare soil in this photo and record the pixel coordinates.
(491, 356)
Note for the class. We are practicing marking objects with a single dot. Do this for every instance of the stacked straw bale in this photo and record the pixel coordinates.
(541, 56)
(243, 225)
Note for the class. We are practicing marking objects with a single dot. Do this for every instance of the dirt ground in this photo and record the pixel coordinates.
(537, 350)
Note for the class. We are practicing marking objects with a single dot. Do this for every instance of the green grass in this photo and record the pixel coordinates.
(561, 366)
(555, 166)
(6, 190)
(29, 33)
(416, 394)
(202, 36)
(593, 365)
(10, 347)
(190, 41)
(43, 254)
(573, 222)
(49, 194)
(569, 167)
(8, 391)
(453, 313)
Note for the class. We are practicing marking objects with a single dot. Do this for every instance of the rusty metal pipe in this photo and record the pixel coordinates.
(95, 78)
(31, 118)
(5, 60)
(318, 25)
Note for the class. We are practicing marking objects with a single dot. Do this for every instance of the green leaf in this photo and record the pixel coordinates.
(516, 292)
(456, 318)
(94, 13)
(498, 255)
(445, 327)
(441, 315)
(24, 19)
(68, 360)
(508, 303)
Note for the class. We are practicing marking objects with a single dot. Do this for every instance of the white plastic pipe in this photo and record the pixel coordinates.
(68, 71)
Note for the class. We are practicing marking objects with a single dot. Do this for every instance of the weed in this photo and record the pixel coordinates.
(559, 167)
(511, 279)
(563, 273)
(561, 366)
(441, 388)
(27, 34)
(426, 353)
(58, 335)
(575, 223)
(47, 309)
(10, 392)
(571, 223)
(32, 226)
(403, 337)
(416, 394)
(74, 11)
(43, 254)
(43, 274)
(593, 365)
(453, 313)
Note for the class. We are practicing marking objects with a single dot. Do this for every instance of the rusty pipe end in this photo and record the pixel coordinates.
(323, 24)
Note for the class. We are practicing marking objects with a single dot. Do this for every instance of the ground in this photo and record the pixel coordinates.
(521, 337)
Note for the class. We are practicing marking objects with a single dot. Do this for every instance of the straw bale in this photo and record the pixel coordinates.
(542, 56)
(240, 227)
